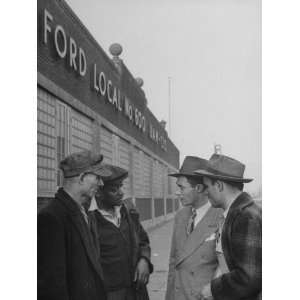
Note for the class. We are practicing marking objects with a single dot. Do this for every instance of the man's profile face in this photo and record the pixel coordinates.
(111, 194)
(90, 183)
(212, 192)
(187, 194)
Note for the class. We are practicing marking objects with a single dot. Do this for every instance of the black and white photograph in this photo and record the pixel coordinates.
(149, 150)
(158, 147)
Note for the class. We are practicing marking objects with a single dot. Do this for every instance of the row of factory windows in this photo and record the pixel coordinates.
(62, 130)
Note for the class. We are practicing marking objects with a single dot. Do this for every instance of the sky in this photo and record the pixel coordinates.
(211, 50)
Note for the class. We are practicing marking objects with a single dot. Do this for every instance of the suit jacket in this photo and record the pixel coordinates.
(68, 267)
(139, 244)
(193, 260)
(241, 243)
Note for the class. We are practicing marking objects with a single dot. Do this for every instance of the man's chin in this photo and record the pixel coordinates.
(118, 203)
(214, 204)
(185, 203)
(87, 201)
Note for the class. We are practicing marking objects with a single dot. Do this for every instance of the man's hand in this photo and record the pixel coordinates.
(205, 294)
(142, 271)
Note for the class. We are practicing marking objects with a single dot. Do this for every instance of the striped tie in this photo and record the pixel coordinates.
(219, 232)
(190, 226)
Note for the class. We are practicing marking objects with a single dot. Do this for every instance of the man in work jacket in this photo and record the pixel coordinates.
(124, 245)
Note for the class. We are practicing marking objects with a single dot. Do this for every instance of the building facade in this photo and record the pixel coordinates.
(87, 100)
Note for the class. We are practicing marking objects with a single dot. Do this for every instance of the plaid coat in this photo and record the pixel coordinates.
(241, 243)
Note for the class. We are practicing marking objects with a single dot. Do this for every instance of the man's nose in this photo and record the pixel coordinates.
(178, 193)
(121, 193)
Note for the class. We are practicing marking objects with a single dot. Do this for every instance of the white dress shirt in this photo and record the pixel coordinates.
(114, 217)
(200, 213)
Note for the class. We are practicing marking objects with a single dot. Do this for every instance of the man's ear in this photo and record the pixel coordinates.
(81, 178)
(220, 185)
(199, 187)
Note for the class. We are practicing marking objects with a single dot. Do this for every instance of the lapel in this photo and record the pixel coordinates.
(242, 201)
(181, 226)
(133, 246)
(79, 223)
(206, 227)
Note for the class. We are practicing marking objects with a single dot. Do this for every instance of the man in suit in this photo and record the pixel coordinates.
(193, 260)
(125, 248)
(68, 265)
(239, 245)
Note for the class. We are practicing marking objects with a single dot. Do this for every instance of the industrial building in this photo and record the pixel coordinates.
(87, 99)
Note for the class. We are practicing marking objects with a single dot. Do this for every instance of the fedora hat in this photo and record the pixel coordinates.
(189, 165)
(224, 168)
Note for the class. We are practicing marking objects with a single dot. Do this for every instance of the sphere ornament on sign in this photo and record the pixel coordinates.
(115, 49)
(139, 81)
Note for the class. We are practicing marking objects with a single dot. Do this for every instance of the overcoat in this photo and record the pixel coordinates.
(193, 259)
(241, 244)
(68, 266)
(138, 242)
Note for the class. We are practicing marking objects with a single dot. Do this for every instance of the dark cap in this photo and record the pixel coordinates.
(117, 173)
(83, 162)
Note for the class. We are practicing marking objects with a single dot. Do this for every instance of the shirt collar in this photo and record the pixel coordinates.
(94, 206)
(104, 212)
(203, 208)
(225, 213)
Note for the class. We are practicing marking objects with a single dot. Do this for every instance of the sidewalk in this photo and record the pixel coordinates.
(160, 241)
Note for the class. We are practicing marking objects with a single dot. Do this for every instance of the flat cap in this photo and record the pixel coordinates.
(117, 173)
(83, 162)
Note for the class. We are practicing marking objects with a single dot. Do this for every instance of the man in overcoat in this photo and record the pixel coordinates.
(68, 264)
(125, 253)
(193, 259)
(239, 245)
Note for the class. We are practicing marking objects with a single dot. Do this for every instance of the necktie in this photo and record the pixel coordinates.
(190, 226)
(219, 232)
(85, 216)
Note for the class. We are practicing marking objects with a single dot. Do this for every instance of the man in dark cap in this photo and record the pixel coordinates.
(193, 260)
(68, 265)
(239, 243)
(125, 251)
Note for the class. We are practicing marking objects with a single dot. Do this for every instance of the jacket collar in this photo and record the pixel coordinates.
(67, 201)
(242, 201)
